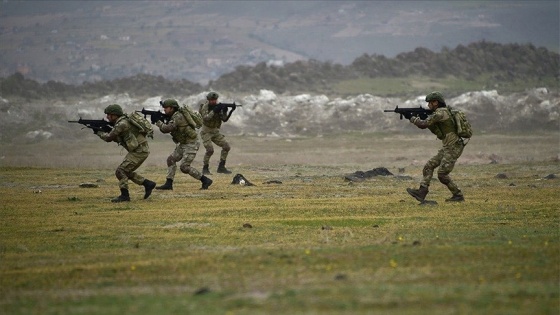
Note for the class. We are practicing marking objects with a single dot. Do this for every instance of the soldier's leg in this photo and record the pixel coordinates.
(189, 150)
(135, 159)
(427, 174)
(429, 167)
(190, 153)
(172, 160)
(207, 143)
(220, 140)
(225, 148)
(450, 156)
(125, 171)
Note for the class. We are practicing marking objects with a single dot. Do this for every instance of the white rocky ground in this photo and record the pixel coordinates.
(268, 114)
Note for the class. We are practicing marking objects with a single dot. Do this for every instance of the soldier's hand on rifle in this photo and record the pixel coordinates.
(217, 108)
(414, 119)
(154, 119)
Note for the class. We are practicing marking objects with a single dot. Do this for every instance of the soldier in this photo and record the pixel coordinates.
(186, 138)
(441, 123)
(127, 135)
(213, 115)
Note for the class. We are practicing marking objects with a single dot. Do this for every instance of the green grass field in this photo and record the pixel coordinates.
(314, 244)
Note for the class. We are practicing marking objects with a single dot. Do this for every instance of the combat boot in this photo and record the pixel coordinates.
(222, 168)
(206, 182)
(123, 197)
(456, 198)
(206, 170)
(148, 187)
(418, 194)
(167, 186)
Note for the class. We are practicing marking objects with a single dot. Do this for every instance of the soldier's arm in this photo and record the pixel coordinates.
(436, 117)
(114, 134)
(167, 128)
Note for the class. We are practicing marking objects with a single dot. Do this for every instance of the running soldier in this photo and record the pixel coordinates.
(440, 123)
(213, 115)
(187, 144)
(129, 136)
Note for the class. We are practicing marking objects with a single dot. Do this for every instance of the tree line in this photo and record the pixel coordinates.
(502, 62)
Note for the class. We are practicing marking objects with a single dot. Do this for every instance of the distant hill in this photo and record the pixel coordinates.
(89, 41)
(511, 65)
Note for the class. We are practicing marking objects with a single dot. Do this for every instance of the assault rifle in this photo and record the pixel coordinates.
(95, 125)
(410, 112)
(155, 115)
(225, 106)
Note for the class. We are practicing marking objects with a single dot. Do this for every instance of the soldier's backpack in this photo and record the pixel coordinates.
(462, 125)
(144, 126)
(193, 118)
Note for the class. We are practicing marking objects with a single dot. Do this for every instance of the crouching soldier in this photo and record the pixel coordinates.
(186, 138)
(129, 136)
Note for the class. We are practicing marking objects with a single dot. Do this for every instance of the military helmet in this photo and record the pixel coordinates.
(212, 96)
(114, 109)
(169, 103)
(435, 96)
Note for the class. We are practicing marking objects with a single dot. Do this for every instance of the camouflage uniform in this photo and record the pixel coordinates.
(187, 142)
(441, 124)
(210, 132)
(136, 144)
(183, 133)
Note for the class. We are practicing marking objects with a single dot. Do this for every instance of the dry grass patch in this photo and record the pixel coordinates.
(315, 243)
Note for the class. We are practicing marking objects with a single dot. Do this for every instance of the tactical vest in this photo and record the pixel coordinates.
(131, 138)
(443, 127)
(184, 132)
(215, 121)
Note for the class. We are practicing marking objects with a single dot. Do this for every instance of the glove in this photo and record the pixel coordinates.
(217, 108)
(414, 119)
(159, 123)
(407, 115)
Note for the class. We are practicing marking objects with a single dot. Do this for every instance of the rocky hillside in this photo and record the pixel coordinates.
(477, 62)
(89, 41)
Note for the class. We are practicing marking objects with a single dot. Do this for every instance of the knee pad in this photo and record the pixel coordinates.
(226, 147)
(120, 174)
(427, 170)
(444, 178)
(185, 168)
(170, 160)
